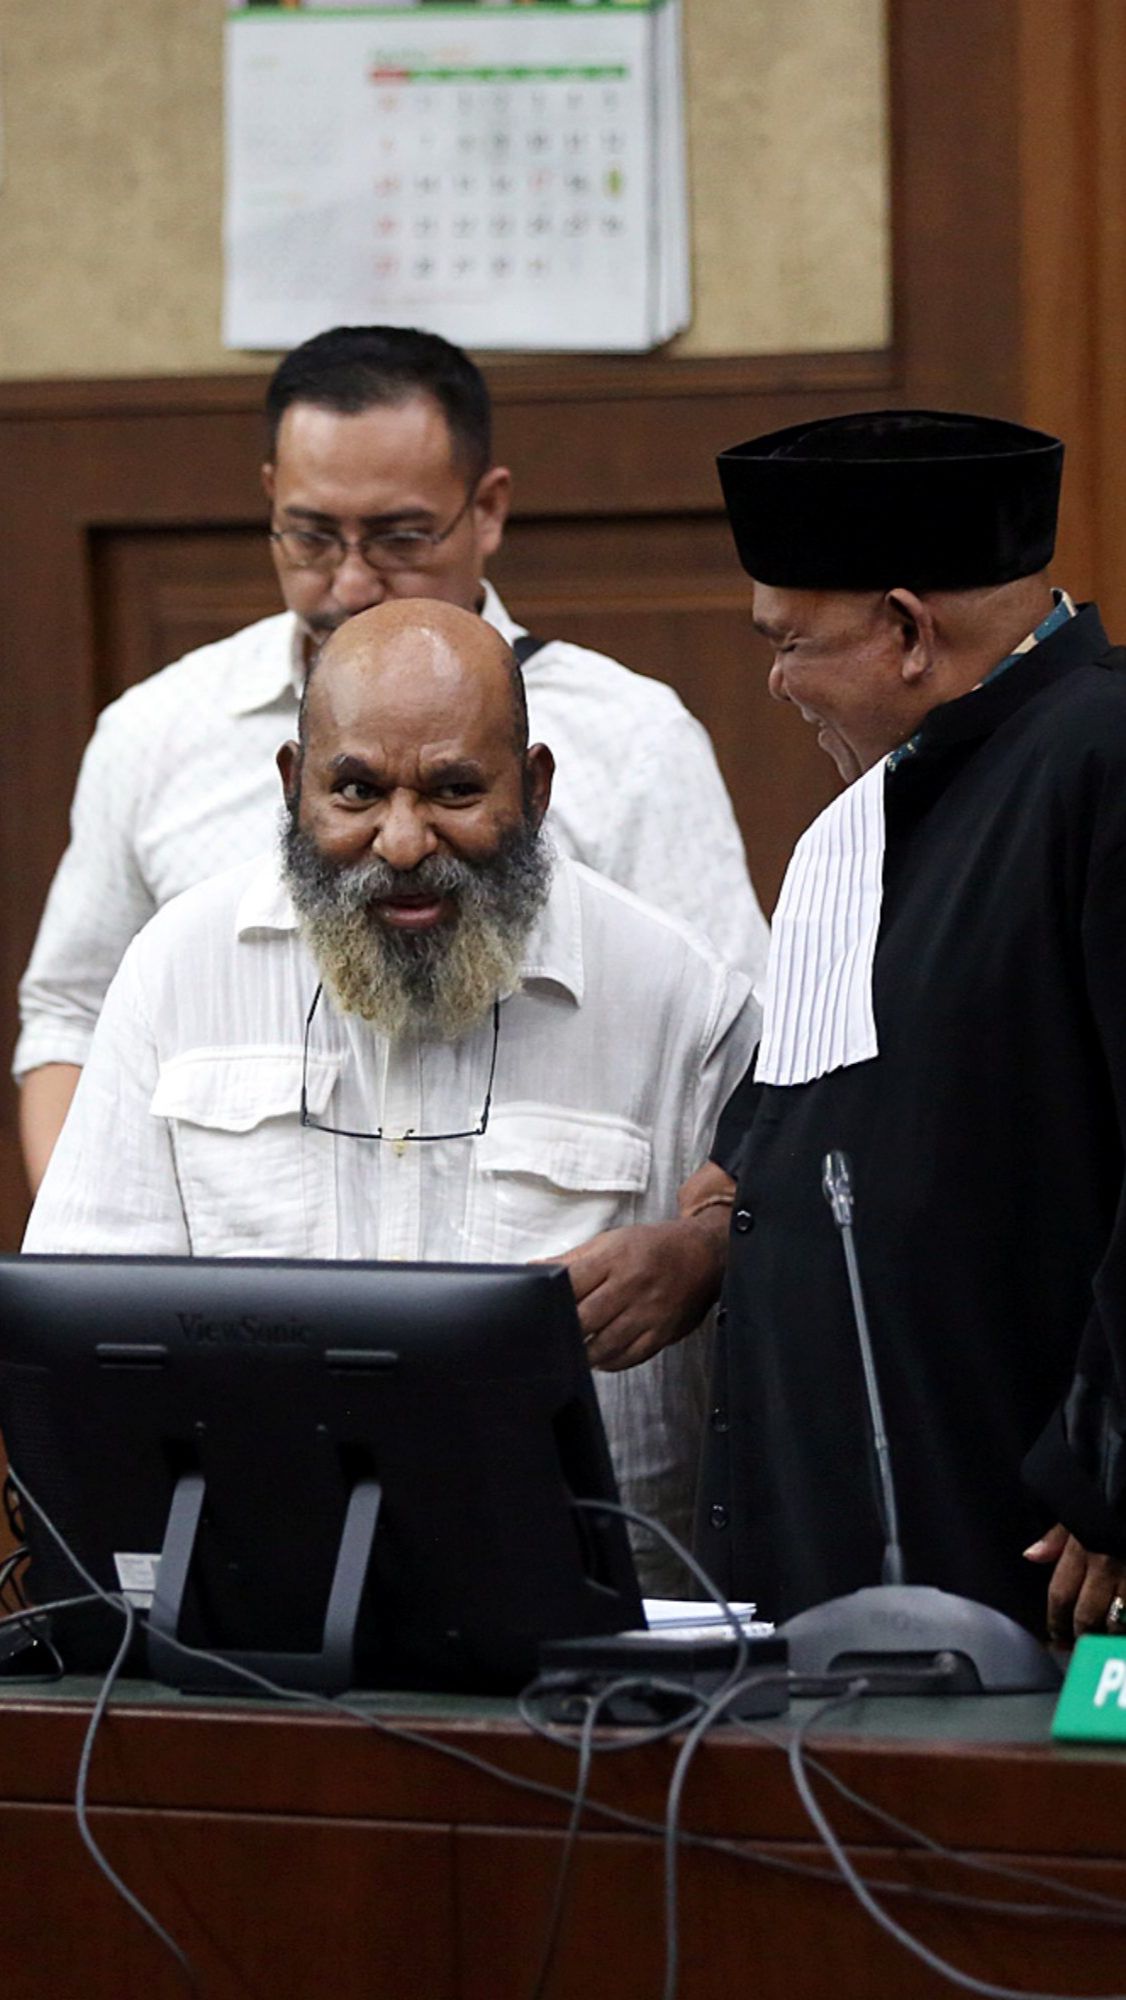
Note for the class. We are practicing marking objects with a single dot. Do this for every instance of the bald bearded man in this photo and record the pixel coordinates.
(382, 487)
(419, 1033)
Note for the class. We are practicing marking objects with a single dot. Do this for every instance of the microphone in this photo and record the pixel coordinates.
(914, 1638)
(836, 1183)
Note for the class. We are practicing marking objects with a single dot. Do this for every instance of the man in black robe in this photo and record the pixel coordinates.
(960, 1034)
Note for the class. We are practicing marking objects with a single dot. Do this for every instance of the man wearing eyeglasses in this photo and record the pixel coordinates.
(425, 1036)
(381, 486)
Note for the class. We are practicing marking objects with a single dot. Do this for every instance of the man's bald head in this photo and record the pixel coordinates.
(413, 851)
(413, 738)
(420, 646)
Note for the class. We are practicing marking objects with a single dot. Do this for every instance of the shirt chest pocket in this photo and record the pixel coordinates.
(253, 1181)
(549, 1177)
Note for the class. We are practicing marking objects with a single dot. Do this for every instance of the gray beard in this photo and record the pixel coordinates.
(440, 982)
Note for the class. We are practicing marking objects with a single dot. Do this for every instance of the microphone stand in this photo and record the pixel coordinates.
(919, 1640)
(836, 1184)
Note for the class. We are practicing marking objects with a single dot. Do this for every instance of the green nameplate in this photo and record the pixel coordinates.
(1092, 1703)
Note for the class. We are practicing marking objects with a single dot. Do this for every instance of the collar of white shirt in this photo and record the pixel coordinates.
(496, 614)
(272, 666)
(553, 953)
(275, 665)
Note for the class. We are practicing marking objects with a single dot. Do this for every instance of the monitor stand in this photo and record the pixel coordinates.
(329, 1671)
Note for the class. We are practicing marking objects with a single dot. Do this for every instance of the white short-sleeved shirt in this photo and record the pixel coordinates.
(614, 1058)
(179, 781)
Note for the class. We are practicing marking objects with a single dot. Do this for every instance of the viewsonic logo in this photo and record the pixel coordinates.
(248, 1330)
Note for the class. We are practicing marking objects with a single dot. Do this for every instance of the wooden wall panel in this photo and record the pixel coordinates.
(754, 1929)
(955, 201)
(1069, 87)
(1058, 237)
(157, 594)
(363, 1911)
(1109, 288)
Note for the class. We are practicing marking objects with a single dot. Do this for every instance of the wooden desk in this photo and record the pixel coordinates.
(295, 1855)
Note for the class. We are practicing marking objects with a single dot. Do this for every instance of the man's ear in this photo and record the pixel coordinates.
(289, 765)
(914, 622)
(491, 503)
(268, 474)
(539, 770)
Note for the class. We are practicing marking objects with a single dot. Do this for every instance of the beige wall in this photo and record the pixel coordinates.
(112, 182)
(787, 104)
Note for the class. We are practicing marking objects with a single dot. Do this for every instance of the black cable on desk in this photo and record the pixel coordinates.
(1104, 1909)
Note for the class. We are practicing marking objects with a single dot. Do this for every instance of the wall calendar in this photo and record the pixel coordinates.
(510, 176)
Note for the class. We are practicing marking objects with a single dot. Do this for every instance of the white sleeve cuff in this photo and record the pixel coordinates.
(50, 1042)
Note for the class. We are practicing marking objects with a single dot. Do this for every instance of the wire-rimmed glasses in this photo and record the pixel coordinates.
(386, 552)
(395, 1138)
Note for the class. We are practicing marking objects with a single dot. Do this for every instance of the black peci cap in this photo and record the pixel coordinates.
(930, 499)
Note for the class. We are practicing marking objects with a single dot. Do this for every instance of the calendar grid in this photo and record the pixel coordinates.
(500, 177)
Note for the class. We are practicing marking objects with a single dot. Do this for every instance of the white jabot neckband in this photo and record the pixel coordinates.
(818, 1014)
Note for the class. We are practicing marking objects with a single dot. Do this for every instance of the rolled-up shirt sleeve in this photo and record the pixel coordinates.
(111, 1185)
(97, 903)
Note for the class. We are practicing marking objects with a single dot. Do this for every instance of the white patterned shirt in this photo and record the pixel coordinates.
(179, 781)
(614, 1059)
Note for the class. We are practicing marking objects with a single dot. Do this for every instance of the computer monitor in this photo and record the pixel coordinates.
(353, 1474)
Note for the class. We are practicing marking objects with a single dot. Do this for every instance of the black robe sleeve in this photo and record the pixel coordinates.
(1078, 1464)
(735, 1121)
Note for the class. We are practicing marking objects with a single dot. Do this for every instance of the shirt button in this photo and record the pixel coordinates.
(718, 1419)
(717, 1515)
(744, 1221)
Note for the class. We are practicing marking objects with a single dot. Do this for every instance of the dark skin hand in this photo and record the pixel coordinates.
(643, 1288)
(1081, 1587)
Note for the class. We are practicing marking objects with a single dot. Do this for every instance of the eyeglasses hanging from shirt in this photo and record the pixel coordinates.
(395, 1138)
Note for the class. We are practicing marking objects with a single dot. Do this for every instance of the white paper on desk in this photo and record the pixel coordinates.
(136, 1575)
(509, 177)
(689, 1618)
